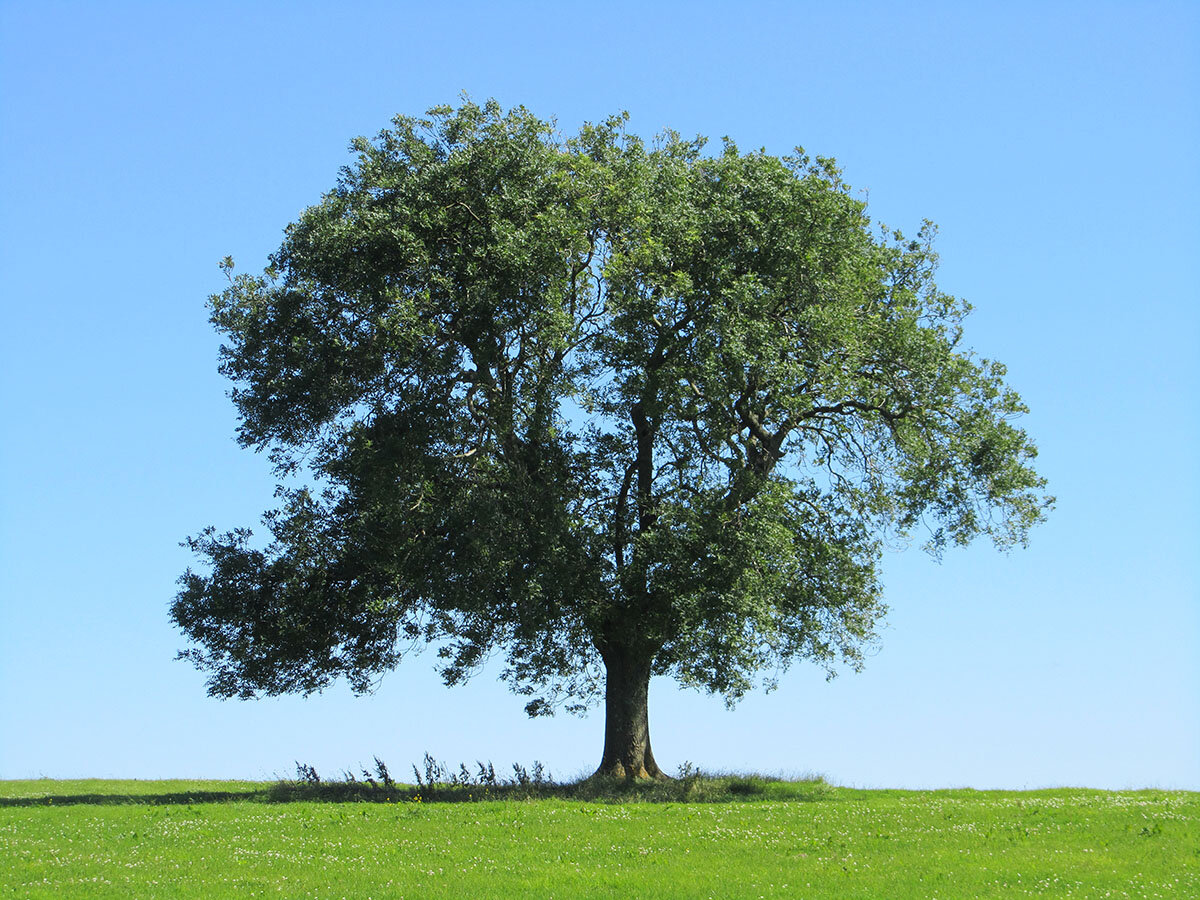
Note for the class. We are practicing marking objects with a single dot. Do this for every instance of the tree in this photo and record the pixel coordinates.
(617, 410)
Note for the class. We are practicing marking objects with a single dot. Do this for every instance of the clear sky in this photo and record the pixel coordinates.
(1056, 146)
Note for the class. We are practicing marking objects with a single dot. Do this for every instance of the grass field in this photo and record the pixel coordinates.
(738, 838)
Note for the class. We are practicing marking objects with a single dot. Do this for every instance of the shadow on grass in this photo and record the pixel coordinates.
(117, 799)
(691, 789)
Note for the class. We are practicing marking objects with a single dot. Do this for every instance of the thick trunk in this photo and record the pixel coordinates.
(626, 723)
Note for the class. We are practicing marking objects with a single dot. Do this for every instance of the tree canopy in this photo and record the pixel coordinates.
(613, 409)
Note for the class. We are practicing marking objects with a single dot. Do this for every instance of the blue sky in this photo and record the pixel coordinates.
(1054, 144)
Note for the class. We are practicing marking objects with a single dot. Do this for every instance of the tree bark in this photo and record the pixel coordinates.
(626, 722)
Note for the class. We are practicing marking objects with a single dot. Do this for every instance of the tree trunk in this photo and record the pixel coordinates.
(626, 723)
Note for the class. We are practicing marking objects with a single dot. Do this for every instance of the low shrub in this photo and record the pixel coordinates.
(435, 781)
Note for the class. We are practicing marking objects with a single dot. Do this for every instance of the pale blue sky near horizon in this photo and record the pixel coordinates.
(1054, 144)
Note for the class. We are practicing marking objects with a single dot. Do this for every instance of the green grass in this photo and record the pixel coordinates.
(755, 838)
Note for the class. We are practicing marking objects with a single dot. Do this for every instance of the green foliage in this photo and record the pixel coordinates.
(587, 396)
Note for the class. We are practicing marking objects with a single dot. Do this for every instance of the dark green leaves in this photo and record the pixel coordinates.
(591, 395)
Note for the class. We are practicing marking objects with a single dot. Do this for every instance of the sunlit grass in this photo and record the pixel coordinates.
(775, 839)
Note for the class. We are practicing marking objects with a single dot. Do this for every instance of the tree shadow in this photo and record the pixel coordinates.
(292, 792)
(181, 798)
(690, 789)
(286, 792)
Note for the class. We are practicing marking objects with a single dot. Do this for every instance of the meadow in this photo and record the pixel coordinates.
(697, 837)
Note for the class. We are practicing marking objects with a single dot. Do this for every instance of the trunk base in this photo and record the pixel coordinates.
(618, 770)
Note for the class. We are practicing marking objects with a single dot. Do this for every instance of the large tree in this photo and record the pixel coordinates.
(616, 410)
